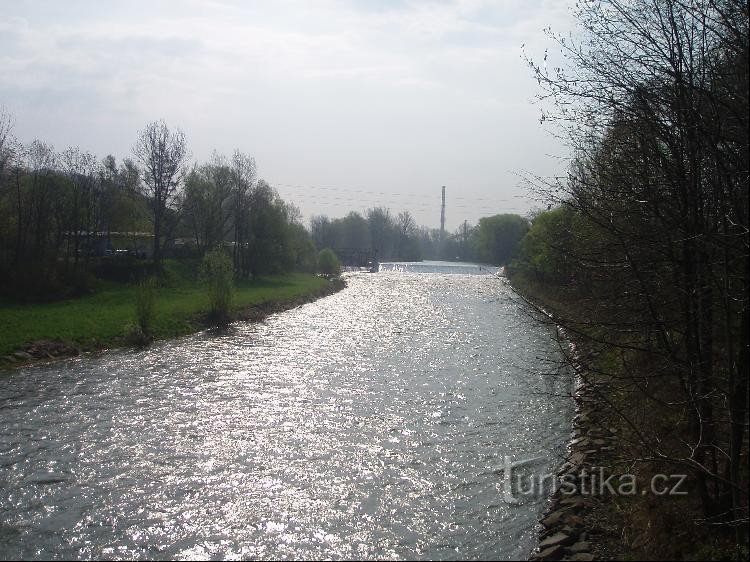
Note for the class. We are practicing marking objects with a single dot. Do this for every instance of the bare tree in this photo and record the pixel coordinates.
(655, 101)
(162, 156)
(80, 167)
(208, 202)
(243, 179)
(6, 129)
(405, 227)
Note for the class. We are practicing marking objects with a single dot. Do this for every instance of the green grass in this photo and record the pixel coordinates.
(100, 319)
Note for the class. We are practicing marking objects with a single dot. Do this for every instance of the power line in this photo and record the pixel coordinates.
(388, 193)
(418, 202)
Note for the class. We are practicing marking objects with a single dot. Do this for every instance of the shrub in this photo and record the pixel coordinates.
(217, 275)
(141, 332)
(328, 263)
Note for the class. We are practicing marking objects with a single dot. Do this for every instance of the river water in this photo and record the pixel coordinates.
(368, 424)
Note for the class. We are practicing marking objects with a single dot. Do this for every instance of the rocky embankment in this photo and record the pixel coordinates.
(41, 349)
(572, 527)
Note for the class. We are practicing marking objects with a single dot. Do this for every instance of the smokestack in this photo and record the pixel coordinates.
(442, 217)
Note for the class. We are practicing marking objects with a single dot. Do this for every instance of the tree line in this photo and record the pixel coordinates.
(386, 236)
(65, 215)
(60, 212)
(646, 247)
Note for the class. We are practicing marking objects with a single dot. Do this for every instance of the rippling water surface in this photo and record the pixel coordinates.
(365, 425)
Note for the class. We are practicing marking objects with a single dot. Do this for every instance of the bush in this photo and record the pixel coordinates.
(328, 263)
(217, 274)
(145, 308)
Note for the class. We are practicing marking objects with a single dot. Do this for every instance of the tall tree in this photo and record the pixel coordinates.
(80, 169)
(406, 247)
(244, 175)
(162, 155)
(208, 201)
(498, 237)
(6, 129)
(382, 230)
(655, 98)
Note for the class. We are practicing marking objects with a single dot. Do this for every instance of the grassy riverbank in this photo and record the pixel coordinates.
(100, 319)
(613, 430)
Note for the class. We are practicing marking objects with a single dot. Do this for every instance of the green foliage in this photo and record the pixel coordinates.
(269, 246)
(546, 250)
(498, 237)
(652, 263)
(355, 232)
(145, 309)
(409, 249)
(104, 314)
(382, 231)
(218, 277)
(206, 211)
(304, 255)
(328, 263)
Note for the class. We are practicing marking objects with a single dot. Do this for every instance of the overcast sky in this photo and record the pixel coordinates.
(345, 104)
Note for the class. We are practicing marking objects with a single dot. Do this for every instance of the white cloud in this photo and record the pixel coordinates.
(403, 97)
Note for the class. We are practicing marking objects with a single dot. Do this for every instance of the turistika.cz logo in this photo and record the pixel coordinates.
(519, 483)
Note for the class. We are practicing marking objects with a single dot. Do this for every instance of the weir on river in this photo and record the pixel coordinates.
(368, 424)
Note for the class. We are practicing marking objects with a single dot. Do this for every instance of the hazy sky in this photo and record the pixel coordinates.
(344, 104)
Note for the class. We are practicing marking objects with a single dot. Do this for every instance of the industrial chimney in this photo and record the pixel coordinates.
(442, 217)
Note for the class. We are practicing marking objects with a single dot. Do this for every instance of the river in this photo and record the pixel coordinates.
(368, 424)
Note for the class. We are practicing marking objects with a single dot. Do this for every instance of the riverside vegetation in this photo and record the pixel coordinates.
(179, 304)
(83, 242)
(643, 262)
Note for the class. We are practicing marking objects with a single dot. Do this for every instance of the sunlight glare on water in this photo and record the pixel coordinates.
(364, 425)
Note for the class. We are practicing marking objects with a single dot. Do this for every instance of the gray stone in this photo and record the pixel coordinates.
(560, 539)
(580, 546)
(551, 553)
(570, 531)
(574, 520)
(577, 458)
(553, 519)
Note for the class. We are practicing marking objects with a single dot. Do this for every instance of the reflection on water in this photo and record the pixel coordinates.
(364, 425)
